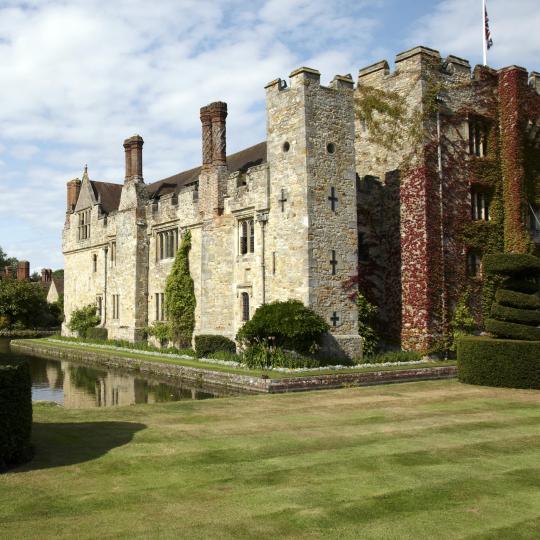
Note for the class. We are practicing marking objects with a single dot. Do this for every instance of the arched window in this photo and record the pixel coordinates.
(245, 306)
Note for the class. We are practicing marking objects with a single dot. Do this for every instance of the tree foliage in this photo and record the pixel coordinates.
(83, 318)
(5, 260)
(180, 296)
(23, 305)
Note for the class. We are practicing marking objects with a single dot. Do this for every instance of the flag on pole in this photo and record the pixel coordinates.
(489, 40)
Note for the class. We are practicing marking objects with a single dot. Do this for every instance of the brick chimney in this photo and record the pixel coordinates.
(46, 275)
(214, 174)
(133, 150)
(23, 271)
(73, 190)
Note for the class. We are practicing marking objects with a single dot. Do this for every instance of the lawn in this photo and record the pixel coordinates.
(418, 460)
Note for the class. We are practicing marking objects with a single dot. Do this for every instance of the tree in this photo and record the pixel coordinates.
(83, 318)
(5, 260)
(180, 296)
(59, 274)
(23, 304)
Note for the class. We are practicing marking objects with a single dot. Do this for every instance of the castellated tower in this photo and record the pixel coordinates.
(311, 154)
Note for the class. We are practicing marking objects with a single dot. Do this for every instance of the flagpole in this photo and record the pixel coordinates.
(484, 42)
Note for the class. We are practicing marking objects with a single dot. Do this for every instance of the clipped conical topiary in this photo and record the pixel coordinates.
(515, 313)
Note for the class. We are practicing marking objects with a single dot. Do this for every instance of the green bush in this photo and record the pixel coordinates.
(23, 305)
(15, 414)
(263, 356)
(160, 330)
(512, 330)
(499, 362)
(288, 325)
(511, 314)
(511, 264)
(180, 296)
(523, 285)
(462, 322)
(83, 318)
(366, 318)
(392, 356)
(97, 333)
(206, 344)
(517, 299)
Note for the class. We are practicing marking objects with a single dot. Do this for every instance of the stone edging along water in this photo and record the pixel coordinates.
(232, 381)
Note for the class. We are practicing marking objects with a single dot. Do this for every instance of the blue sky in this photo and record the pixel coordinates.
(78, 77)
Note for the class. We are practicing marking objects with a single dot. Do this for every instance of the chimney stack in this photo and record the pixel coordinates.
(46, 275)
(133, 149)
(73, 190)
(206, 121)
(23, 271)
(218, 112)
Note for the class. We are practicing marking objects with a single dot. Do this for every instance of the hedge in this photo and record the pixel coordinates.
(499, 362)
(209, 343)
(15, 414)
(97, 333)
(517, 299)
(512, 330)
(511, 264)
(520, 284)
(524, 316)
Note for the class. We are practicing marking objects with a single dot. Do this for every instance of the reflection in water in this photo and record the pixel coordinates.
(78, 387)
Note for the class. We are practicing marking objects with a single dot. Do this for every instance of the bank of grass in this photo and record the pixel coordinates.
(195, 363)
(420, 460)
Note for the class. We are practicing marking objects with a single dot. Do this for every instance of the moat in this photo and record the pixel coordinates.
(80, 387)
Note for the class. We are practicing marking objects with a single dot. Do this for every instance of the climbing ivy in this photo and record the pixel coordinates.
(180, 296)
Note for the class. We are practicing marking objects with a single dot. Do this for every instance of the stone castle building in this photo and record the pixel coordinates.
(320, 201)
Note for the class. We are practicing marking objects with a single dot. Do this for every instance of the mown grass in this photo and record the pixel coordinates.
(420, 460)
(193, 362)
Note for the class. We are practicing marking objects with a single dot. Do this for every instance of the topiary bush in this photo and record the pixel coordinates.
(83, 318)
(15, 414)
(288, 325)
(515, 313)
(499, 362)
(97, 333)
(206, 344)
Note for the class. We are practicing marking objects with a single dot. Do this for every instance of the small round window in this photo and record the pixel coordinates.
(286, 146)
(331, 148)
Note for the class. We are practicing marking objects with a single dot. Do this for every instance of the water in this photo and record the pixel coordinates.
(80, 387)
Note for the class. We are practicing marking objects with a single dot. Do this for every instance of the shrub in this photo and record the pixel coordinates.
(180, 296)
(392, 356)
(206, 344)
(366, 317)
(15, 414)
(263, 356)
(499, 362)
(82, 319)
(512, 330)
(462, 322)
(517, 299)
(97, 333)
(525, 316)
(527, 286)
(160, 330)
(511, 264)
(288, 325)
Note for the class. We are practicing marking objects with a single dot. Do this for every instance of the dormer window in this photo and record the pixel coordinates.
(478, 135)
(479, 205)
(83, 230)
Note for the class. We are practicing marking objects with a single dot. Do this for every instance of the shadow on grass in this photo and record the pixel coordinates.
(58, 445)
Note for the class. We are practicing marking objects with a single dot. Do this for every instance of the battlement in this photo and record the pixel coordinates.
(424, 59)
(305, 76)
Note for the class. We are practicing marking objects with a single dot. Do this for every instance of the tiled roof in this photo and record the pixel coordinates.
(108, 193)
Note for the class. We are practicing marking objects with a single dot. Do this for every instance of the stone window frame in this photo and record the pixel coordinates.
(84, 218)
(166, 243)
(474, 264)
(246, 236)
(478, 131)
(245, 306)
(112, 251)
(115, 306)
(480, 204)
(94, 262)
(160, 306)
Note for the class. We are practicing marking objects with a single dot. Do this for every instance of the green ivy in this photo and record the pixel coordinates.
(366, 316)
(180, 296)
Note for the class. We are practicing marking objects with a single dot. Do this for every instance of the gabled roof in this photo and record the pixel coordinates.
(109, 193)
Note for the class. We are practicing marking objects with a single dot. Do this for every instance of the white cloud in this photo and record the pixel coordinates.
(456, 25)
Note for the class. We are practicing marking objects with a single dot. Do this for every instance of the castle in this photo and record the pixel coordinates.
(331, 194)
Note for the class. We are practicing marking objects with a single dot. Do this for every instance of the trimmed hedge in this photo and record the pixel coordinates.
(15, 414)
(512, 330)
(209, 343)
(97, 333)
(511, 264)
(520, 284)
(511, 314)
(499, 362)
(517, 299)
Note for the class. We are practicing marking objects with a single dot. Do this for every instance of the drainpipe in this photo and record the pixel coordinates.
(262, 218)
(104, 303)
(441, 211)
